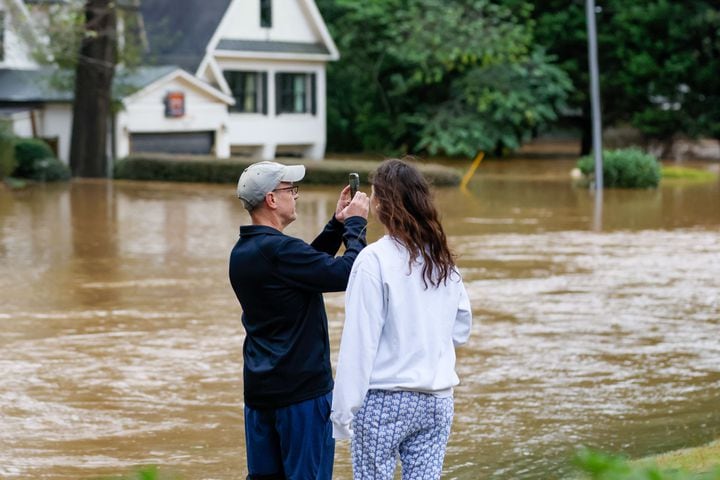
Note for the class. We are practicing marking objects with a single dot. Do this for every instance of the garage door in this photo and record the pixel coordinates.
(184, 142)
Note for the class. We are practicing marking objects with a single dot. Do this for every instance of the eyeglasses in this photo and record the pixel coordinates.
(294, 189)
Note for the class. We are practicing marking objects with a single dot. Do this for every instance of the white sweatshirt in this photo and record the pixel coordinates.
(398, 335)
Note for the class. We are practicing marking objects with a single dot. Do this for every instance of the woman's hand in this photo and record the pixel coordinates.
(359, 206)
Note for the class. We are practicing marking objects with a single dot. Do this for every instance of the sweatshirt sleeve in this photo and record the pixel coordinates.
(364, 319)
(463, 318)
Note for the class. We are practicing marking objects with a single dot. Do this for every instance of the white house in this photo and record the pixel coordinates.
(221, 77)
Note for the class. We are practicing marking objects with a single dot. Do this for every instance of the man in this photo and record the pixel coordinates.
(279, 281)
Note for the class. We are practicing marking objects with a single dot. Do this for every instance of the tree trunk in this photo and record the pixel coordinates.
(93, 87)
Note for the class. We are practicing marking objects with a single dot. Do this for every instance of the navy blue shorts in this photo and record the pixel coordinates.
(293, 442)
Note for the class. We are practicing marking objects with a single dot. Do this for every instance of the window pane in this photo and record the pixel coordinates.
(299, 93)
(250, 93)
(293, 92)
(247, 89)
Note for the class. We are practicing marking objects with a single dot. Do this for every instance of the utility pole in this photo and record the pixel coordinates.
(595, 102)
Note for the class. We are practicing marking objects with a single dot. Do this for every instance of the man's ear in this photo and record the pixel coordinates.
(270, 200)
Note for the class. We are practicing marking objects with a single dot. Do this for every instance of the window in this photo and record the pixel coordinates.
(266, 13)
(249, 90)
(295, 93)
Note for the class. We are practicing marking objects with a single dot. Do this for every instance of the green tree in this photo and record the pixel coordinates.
(668, 58)
(84, 46)
(444, 77)
(658, 62)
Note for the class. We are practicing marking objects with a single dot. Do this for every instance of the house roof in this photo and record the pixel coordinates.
(179, 31)
(273, 47)
(121, 3)
(35, 86)
(26, 86)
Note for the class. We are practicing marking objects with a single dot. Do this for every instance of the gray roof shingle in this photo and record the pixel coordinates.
(274, 47)
(27, 86)
(179, 31)
(35, 86)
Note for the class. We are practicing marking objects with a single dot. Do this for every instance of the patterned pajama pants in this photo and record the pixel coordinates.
(412, 425)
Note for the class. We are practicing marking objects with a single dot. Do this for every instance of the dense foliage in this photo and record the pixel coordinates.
(436, 76)
(625, 168)
(658, 62)
(455, 77)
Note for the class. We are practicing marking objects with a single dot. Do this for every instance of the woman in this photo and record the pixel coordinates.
(406, 309)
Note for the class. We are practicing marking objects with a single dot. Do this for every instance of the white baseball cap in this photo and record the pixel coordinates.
(260, 178)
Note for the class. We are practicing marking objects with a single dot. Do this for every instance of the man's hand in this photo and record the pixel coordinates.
(359, 206)
(342, 203)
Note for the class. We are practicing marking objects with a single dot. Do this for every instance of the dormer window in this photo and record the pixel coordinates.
(266, 13)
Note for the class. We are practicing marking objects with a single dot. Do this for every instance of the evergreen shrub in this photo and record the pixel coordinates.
(624, 168)
(36, 161)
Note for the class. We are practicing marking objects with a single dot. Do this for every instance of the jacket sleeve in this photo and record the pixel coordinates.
(364, 320)
(306, 268)
(463, 318)
(331, 237)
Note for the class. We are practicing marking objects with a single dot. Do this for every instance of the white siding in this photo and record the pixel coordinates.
(268, 132)
(22, 123)
(146, 113)
(57, 122)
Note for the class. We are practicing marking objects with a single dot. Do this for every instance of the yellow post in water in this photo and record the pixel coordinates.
(471, 171)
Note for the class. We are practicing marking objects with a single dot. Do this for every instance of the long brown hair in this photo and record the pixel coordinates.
(405, 207)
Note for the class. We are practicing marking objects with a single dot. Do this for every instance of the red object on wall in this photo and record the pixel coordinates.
(175, 104)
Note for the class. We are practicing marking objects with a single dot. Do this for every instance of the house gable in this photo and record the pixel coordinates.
(297, 32)
(178, 79)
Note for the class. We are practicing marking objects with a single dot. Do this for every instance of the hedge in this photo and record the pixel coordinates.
(212, 170)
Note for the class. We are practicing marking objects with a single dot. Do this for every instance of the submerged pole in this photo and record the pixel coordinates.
(595, 103)
(594, 92)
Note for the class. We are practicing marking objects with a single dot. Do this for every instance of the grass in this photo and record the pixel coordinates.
(686, 173)
(14, 183)
(698, 459)
(700, 463)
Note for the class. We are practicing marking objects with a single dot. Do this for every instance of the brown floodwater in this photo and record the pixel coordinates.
(121, 342)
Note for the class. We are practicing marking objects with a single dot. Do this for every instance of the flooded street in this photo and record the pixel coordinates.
(121, 341)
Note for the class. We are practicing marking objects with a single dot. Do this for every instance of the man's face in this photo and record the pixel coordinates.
(285, 197)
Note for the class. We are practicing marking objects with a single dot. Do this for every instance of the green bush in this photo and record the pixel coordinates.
(209, 169)
(36, 161)
(626, 168)
(600, 466)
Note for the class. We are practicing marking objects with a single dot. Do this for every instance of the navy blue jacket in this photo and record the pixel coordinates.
(279, 282)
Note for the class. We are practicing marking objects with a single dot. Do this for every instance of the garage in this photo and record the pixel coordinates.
(197, 143)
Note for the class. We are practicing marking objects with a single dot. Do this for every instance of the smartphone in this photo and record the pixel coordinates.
(354, 184)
